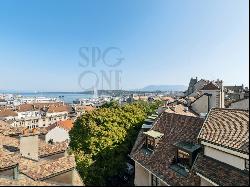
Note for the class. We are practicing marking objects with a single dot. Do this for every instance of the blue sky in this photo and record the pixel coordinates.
(162, 41)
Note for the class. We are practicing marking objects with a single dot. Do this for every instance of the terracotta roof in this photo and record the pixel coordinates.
(8, 130)
(52, 126)
(41, 105)
(228, 128)
(210, 86)
(25, 108)
(180, 109)
(36, 170)
(8, 160)
(53, 109)
(221, 173)
(7, 113)
(46, 149)
(67, 124)
(4, 126)
(25, 181)
(176, 128)
(46, 169)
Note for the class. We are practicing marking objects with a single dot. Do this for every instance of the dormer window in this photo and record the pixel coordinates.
(183, 158)
(152, 139)
(186, 153)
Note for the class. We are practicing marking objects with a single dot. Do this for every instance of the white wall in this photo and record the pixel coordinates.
(141, 176)
(225, 157)
(56, 114)
(216, 100)
(205, 182)
(200, 105)
(29, 146)
(57, 134)
(28, 114)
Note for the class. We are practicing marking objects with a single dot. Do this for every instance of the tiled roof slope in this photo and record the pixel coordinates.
(7, 113)
(180, 109)
(23, 182)
(221, 173)
(175, 128)
(67, 124)
(228, 128)
(50, 149)
(62, 108)
(25, 108)
(8, 160)
(46, 169)
(43, 150)
(210, 86)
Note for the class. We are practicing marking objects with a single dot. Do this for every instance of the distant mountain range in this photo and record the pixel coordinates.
(150, 88)
(164, 88)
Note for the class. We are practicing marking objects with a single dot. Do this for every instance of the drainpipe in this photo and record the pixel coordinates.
(208, 96)
(15, 173)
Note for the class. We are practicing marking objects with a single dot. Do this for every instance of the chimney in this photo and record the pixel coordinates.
(185, 109)
(29, 144)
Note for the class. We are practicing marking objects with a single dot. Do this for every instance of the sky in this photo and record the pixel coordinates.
(63, 45)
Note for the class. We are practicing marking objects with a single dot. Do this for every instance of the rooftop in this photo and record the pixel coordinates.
(176, 128)
(210, 86)
(46, 169)
(188, 146)
(67, 124)
(7, 113)
(228, 128)
(180, 109)
(221, 173)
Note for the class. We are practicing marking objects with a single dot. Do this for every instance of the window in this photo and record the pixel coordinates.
(247, 164)
(154, 180)
(183, 158)
(150, 143)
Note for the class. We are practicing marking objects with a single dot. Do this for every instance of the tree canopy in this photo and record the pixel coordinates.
(102, 139)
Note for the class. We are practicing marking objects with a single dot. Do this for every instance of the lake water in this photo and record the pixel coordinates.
(68, 97)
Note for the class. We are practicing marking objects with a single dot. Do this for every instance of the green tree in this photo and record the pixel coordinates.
(102, 139)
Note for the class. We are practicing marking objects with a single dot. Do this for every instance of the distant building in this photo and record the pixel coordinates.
(240, 104)
(211, 95)
(191, 85)
(3, 102)
(59, 131)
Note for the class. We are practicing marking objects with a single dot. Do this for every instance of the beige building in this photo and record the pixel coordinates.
(35, 115)
(240, 104)
(225, 141)
(211, 96)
